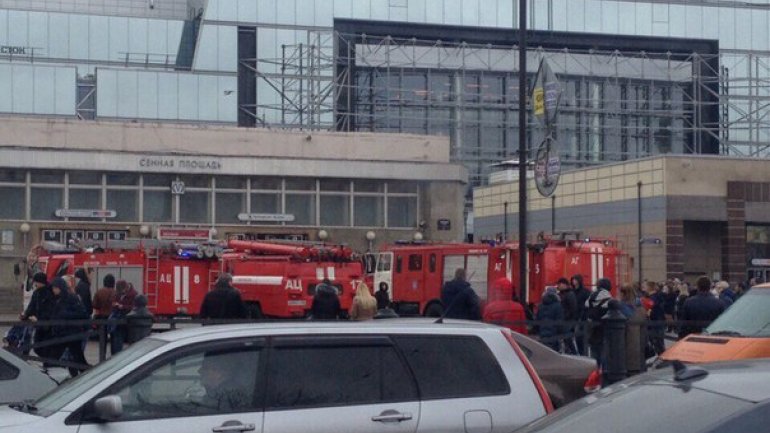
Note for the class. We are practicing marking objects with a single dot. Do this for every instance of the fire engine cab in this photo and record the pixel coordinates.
(415, 272)
(275, 280)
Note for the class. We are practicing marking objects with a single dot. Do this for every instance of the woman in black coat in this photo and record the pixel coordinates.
(67, 307)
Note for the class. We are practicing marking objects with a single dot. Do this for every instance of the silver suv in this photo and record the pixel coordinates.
(382, 376)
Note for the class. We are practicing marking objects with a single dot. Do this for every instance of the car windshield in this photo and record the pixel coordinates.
(749, 316)
(646, 408)
(61, 396)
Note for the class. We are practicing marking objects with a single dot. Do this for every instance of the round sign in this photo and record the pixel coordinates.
(547, 168)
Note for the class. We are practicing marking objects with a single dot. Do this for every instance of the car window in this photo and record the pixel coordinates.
(453, 366)
(199, 382)
(641, 409)
(754, 419)
(748, 316)
(8, 371)
(317, 374)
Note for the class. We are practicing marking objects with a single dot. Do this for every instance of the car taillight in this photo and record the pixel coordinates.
(594, 381)
(531, 370)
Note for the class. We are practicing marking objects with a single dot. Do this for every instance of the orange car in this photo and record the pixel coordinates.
(741, 332)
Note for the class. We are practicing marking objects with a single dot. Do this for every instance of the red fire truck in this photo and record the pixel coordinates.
(415, 272)
(275, 280)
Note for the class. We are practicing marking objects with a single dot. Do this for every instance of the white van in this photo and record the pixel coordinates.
(395, 376)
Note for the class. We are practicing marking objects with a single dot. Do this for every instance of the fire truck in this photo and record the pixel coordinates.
(414, 272)
(275, 280)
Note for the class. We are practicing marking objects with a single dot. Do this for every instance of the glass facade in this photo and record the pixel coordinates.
(138, 198)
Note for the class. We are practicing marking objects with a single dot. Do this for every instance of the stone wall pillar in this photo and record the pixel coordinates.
(734, 252)
(674, 249)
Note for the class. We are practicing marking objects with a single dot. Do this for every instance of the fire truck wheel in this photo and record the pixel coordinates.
(434, 310)
(255, 311)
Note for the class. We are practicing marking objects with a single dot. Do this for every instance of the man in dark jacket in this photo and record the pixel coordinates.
(657, 328)
(40, 308)
(83, 289)
(326, 303)
(597, 306)
(383, 299)
(570, 308)
(581, 296)
(139, 320)
(224, 302)
(67, 307)
(703, 307)
(550, 309)
(459, 299)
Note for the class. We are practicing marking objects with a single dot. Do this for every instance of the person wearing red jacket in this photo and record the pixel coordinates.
(502, 309)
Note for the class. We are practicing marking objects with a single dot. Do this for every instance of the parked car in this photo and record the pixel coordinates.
(21, 381)
(741, 332)
(709, 398)
(565, 377)
(381, 376)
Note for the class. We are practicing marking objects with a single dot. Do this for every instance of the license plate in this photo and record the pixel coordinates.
(297, 303)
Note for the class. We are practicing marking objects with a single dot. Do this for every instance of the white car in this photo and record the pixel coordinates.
(394, 376)
(20, 381)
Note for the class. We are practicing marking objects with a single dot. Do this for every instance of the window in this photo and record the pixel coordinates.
(195, 207)
(328, 372)
(13, 202)
(124, 203)
(157, 206)
(302, 206)
(123, 179)
(432, 263)
(415, 262)
(45, 201)
(453, 367)
(383, 262)
(402, 211)
(8, 371)
(368, 211)
(85, 178)
(335, 210)
(228, 206)
(203, 382)
(398, 264)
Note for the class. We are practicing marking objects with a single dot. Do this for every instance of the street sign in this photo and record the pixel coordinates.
(444, 224)
(547, 168)
(546, 94)
(266, 217)
(85, 213)
(183, 234)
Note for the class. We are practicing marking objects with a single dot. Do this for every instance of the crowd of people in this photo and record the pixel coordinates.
(69, 299)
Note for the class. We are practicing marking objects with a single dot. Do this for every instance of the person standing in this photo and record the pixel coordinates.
(67, 307)
(104, 298)
(657, 314)
(40, 308)
(139, 320)
(224, 302)
(636, 328)
(124, 302)
(700, 309)
(550, 310)
(502, 307)
(326, 303)
(581, 296)
(83, 288)
(364, 304)
(382, 296)
(570, 308)
(459, 299)
(596, 307)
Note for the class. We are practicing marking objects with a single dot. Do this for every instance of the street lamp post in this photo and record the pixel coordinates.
(523, 149)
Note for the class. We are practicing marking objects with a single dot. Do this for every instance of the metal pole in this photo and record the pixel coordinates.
(639, 228)
(523, 150)
(505, 221)
(553, 214)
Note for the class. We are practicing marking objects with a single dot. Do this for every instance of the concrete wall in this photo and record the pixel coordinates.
(219, 140)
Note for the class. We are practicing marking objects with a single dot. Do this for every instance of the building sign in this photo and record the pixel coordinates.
(760, 262)
(266, 217)
(95, 236)
(179, 163)
(177, 187)
(444, 224)
(183, 234)
(7, 240)
(85, 213)
(15, 50)
(52, 235)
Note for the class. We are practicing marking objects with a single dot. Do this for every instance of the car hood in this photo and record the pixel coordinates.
(708, 348)
(11, 417)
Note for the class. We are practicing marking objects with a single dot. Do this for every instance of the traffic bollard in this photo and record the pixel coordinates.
(615, 341)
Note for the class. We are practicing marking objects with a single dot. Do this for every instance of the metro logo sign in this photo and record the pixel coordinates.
(85, 213)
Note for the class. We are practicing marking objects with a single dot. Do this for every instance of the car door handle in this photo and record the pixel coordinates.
(233, 427)
(392, 416)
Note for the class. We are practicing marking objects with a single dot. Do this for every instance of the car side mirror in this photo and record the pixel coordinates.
(108, 408)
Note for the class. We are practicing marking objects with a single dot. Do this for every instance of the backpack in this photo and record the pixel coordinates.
(596, 311)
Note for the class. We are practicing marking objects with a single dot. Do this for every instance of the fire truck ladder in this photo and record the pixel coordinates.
(151, 276)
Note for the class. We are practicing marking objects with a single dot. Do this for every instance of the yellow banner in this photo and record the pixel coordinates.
(538, 97)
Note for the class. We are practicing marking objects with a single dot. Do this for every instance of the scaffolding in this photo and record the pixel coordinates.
(721, 99)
